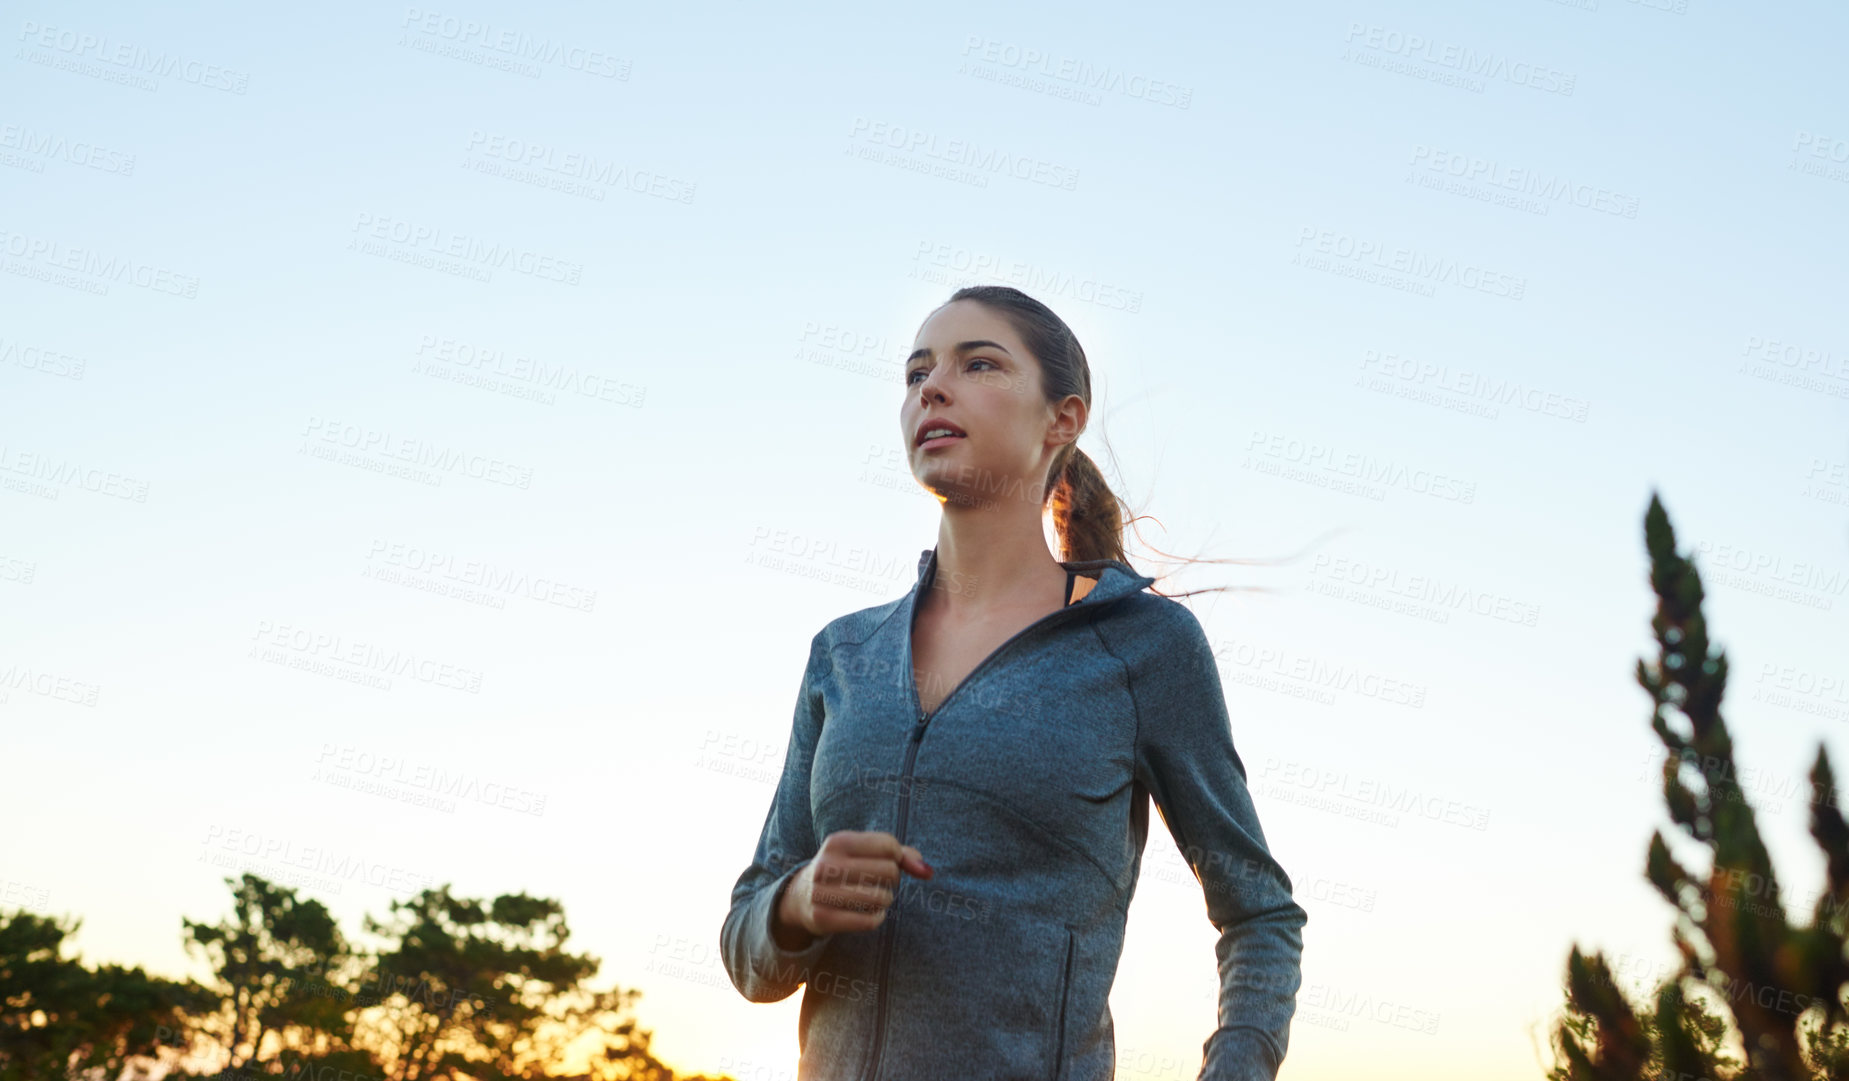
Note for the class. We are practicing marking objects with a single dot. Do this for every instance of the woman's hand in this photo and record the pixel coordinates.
(847, 886)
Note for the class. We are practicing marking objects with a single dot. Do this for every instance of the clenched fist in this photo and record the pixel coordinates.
(846, 887)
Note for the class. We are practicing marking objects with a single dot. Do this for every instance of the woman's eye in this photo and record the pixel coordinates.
(973, 360)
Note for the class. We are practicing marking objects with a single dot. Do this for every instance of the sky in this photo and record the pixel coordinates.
(556, 350)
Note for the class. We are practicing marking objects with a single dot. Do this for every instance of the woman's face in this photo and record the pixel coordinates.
(968, 368)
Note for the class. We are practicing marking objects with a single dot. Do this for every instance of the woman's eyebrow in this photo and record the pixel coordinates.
(960, 347)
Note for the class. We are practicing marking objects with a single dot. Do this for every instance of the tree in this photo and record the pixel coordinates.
(488, 991)
(460, 990)
(59, 1019)
(283, 975)
(1777, 986)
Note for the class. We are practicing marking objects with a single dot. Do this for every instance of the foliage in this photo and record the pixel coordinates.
(270, 957)
(458, 989)
(60, 1018)
(464, 988)
(1776, 986)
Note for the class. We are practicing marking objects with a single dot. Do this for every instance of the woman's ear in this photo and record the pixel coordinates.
(1068, 420)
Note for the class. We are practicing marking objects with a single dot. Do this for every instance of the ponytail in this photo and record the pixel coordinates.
(1086, 514)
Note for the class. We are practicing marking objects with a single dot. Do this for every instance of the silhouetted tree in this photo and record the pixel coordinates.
(460, 990)
(1776, 985)
(488, 991)
(60, 1019)
(283, 971)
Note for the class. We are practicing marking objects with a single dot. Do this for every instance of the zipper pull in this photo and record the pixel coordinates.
(918, 729)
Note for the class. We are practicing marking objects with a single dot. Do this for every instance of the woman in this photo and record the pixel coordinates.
(1005, 720)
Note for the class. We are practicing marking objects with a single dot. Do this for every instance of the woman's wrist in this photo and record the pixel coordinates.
(785, 929)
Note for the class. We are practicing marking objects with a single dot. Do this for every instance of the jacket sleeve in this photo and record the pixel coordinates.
(762, 970)
(1186, 760)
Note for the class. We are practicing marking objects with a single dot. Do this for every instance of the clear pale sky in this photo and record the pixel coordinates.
(562, 389)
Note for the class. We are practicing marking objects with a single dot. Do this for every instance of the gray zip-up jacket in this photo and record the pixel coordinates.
(1025, 790)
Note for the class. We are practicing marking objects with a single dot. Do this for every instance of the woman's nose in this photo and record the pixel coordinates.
(930, 389)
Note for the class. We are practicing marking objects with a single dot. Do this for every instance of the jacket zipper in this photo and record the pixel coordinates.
(905, 802)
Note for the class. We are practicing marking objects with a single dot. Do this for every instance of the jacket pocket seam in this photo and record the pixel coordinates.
(1065, 998)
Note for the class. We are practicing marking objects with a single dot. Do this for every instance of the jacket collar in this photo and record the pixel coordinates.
(1115, 577)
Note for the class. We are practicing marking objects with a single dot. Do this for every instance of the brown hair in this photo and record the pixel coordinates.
(1087, 514)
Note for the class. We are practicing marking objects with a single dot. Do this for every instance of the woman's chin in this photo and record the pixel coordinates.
(968, 484)
(953, 496)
